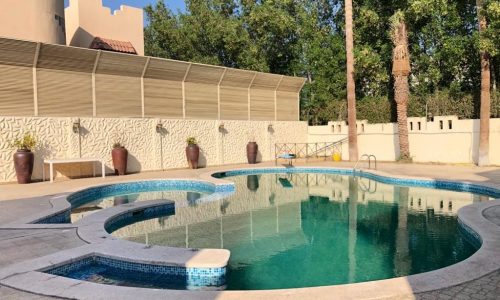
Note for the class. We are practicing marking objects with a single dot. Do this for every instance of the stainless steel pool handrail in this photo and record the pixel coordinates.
(368, 189)
(369, 157)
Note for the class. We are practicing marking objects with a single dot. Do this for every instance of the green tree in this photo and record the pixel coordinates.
(307, 38)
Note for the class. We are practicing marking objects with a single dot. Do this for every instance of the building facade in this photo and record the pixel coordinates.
(87, 20)
(84, 23)
(33, 20)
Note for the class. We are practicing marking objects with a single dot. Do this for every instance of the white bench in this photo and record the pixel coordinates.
(289, 156)
(52, 162)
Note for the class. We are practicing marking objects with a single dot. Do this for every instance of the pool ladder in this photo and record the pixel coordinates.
(369, 157)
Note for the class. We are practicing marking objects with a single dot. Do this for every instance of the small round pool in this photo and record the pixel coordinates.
(292, 229)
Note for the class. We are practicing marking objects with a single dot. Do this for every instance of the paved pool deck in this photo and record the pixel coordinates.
(17, 201)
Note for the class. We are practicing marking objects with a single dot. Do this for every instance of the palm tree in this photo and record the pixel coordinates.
(400, 71)
(351, 95)
(484, 123)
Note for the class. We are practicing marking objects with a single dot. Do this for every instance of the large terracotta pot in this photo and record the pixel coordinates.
(120, 155)
(192, 155)
(23, 163)
(252, 149)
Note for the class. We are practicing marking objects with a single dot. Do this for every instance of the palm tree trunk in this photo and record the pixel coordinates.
(351, 90)
(401, 94)
(400, 70)
(484, 122)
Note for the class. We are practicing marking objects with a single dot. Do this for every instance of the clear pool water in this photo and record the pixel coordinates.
(181, 197)
(303, 230)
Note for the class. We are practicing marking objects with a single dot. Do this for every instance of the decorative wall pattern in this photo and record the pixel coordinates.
(148, 149)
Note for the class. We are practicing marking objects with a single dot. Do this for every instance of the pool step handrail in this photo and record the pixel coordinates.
(336, 143)
(369, 157)
(308, 150)
(368, 189)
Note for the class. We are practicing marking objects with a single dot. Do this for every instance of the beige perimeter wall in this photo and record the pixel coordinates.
(433, 142)
(148, 150)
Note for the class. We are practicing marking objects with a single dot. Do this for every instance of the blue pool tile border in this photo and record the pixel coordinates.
(435, 183)
(192, 277)
(470, 235)
(140, 214)
(94, 193)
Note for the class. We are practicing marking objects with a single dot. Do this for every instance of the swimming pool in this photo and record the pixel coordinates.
(288, 230)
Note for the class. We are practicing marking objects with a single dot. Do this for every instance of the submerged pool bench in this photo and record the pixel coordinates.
(52, 162)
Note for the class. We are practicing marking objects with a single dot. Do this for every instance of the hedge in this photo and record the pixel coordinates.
(382, 110)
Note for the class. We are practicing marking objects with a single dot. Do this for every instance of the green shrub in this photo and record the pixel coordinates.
(382, 110)
(27, 142)
(191, 141)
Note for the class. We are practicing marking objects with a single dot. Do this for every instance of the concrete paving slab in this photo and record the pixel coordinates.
(20, 245)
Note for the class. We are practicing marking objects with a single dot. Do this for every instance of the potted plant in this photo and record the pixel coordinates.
(119, 155)
(252, 149)
(24, 158)
(192, 152)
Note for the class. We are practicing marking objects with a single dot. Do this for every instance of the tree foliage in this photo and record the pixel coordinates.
(306, 38)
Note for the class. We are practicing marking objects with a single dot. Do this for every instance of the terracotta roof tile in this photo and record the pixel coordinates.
(112, 45)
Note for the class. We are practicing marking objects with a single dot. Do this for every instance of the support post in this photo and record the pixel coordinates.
(146, 65)
(276, 98)
(184, 91)
(35, 81)
(218, 93)
(94, 95)
(298, 99)
(249, 97)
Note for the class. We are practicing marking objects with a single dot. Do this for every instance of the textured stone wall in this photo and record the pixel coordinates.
(148, 149)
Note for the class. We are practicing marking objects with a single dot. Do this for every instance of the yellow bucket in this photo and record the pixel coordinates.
(337, 157)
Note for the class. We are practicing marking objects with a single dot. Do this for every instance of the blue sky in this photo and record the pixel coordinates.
(115, 4)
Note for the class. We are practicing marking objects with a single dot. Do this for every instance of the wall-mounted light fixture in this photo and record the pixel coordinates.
(159, 128)
(270, 127)
(76, 126)
(221, 126)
